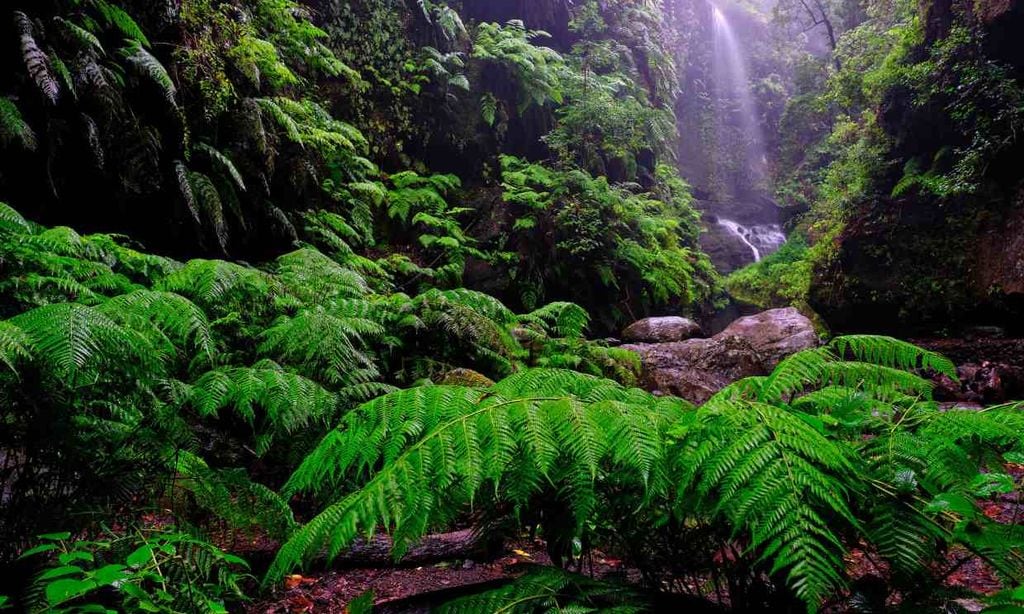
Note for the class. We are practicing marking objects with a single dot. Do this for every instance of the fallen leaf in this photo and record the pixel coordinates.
(522, 553)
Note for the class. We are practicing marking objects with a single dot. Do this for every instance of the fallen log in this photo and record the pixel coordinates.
(376, 552)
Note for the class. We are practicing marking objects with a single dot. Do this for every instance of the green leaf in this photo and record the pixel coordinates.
(63, 570)
(66, 589)
(109, 574)
(988, 484)
(952, 502)
(37, 550)
(142, 555)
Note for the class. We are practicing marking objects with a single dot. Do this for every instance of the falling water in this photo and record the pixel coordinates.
(733, 96)
(762, 239)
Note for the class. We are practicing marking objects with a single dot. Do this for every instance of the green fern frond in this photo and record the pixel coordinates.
(890, 352)
(14, 345)
(181, 176)
(326, 346)
(83, 37)
(776, 478)
(216, 283)
(223, 163)
(116, 17)
(317, 279)
(426, 452)
(13, 128)
(146, 65)
(231, 495)
(288, 402)
(551, 590)
(569, 319)
(176, 317)
(11, 221)
(71, 340)
(209, 202)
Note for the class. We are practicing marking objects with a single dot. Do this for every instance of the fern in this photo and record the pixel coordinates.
(146, 65)
(116, 17)
(35, 59)
(289, 403)
(544, 589)
(13, 128)
(223, 163)
(424, 453)
(568, 319)
(74, 342)
(773, 476)
(180, 322)
(209, 202)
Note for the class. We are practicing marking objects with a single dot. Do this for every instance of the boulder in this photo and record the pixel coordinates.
(661, 330)
(696, 369)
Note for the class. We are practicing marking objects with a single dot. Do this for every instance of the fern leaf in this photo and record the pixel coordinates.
(224, 163)
(71, 340)
(13, 128)
(146, 65)
(116, 17)
(209, 202)
(35, 59)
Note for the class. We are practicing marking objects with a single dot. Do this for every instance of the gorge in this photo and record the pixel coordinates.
(511, 306)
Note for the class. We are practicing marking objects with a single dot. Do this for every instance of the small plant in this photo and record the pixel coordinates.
(149, 570)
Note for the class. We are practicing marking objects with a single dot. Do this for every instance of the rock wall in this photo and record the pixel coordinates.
(917, 263)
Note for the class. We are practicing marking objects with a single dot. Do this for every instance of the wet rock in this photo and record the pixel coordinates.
(661, 330)
(697, 368)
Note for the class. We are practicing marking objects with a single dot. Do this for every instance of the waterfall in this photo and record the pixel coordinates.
(733, 98)
(762, 239)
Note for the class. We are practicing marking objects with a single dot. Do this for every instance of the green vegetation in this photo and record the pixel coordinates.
(297, 273)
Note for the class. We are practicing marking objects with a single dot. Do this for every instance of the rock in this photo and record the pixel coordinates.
(697, 368)
(661, 330)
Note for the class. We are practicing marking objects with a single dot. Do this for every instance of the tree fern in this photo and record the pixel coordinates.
(424, 453)
(179, 321)
(777, 479)
(565, 319)
(326, 346)
(74, 342)
(216, 283)
(231, 495)
(287, 402)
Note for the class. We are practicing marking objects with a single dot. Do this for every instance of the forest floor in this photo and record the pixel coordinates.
(415, 589)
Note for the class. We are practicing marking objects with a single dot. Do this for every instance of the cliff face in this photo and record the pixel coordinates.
(911, 260)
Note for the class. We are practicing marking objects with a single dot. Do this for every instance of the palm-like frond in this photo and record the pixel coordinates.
(287, 402)
(71, 341)
(777, 479)
(426, 452)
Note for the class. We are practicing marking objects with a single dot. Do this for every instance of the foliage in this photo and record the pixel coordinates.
(840, 446)
(578, 229)
(134, 368)
(535, 68)
(154, 570)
